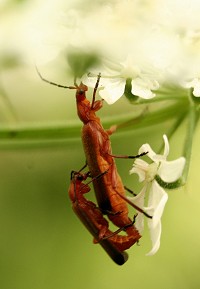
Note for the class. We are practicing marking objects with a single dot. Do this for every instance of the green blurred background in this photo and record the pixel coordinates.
(42, 243)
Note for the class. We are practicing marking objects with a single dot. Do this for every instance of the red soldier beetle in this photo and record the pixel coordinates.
(92, 217)
(109, 189)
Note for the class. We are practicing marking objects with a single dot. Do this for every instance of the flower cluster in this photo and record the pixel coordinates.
(152, 47)
(147, 41)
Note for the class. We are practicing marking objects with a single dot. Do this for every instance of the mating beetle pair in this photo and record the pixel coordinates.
(108, 186)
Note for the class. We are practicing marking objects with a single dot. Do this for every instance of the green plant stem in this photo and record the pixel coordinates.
(173, 129)
(165, 95)
(155, 117)
(193, 117)
(37, 134)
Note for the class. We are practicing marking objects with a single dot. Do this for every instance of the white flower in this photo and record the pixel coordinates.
(169, 172)
(114, 81)
(195, 84)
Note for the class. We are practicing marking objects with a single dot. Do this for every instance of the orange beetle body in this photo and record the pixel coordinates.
(92, 217)
(97, 146)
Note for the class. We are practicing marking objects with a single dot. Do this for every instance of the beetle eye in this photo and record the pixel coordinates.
(80, 178)
(81, 91)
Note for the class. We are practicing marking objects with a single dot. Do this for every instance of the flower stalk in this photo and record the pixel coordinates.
(193, 117)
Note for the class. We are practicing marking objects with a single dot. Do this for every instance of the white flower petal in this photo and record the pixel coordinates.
(166, 149)
(160, 158)
(141, 173)
(141, 88)
(171, 171)
(141, 164)
(139, 223)
(157, 200)
(196, 91)
(155, 234)
(139, 201)
(195, 84)
(113, 91)
(139, 167)
(91, 80)
(146, 148)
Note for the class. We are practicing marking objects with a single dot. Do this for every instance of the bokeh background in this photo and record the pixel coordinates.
(42, 243)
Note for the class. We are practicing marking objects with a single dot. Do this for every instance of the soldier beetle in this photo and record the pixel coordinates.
(92, 217)
(109, 189)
